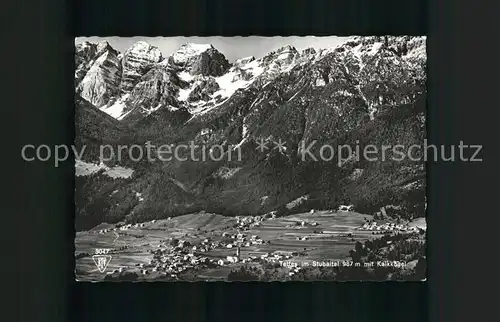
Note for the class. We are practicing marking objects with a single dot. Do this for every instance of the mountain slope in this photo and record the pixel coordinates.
(370, 90)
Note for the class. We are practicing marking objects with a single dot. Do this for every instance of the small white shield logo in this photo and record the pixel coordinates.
(101, 261)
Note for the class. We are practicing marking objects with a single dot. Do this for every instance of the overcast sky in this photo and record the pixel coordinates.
(232, 47)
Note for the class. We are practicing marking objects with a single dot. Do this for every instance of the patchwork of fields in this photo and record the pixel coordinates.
(317, 236)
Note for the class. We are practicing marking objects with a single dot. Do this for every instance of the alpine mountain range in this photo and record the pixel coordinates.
(368, 90)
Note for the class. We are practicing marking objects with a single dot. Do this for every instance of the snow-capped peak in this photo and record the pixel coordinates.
(189, 50)
(309, 51)
(197, 47)
(142, 46)
(244, 60)
(84, 44)
(103, 45)
(286, 48)
(285, 54)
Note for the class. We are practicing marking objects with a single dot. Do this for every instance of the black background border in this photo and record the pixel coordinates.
(38, 93)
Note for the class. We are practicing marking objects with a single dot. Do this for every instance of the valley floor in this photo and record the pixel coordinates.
(203, 247)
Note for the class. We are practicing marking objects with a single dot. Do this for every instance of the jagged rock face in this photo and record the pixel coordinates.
(136, 61)
(201, 60)
(277, 62)
(210, 63)
(282, 55)
(243, 61)
(308, 52)
(370, 63)
(102, 80)
(241, 75)
(306, 104)
(85, 56)
(326, 97)
(389, 72)
(203, 89)
(408, 47)
(385, 80)
(156, 89)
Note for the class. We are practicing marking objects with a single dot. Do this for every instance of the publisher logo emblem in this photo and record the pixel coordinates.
(101, 261)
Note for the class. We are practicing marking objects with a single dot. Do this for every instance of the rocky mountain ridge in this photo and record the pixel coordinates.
(365, 91)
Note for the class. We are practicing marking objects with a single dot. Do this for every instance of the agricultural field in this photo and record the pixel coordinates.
(305, 237)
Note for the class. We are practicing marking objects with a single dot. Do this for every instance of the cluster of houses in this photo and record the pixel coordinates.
(275, 257)
(387, 227)
(346, 208)
(232, 259)
(103, 231)
(174, 256)
(125, 227)
(294, 270)
(181, 255)
(302, 224)
(241, 240)
(247, 222)
(242, 222)
(174, 260)
(128, 226)
(118, 270)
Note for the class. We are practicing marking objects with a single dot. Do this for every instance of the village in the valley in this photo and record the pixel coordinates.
(207, 246)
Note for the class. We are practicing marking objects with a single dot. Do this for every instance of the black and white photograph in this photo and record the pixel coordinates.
(250, 158)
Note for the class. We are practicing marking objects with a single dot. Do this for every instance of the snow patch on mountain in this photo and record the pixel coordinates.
(230, 82)
(119, 172)
(116, 109)
(188, 51)
(184, 93)
(146, 111)
(85, 169)
(185, 76)
(228, 85)
(254, 67)
(244, 61)
(375, 47)
(142, 46)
